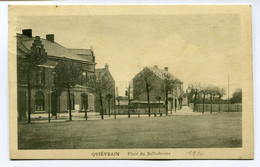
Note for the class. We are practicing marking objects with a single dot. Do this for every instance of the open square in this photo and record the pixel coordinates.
(217, 130)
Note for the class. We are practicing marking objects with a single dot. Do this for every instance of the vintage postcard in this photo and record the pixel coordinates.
(131, 82)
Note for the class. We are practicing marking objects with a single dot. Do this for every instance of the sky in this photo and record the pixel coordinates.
(195, 48)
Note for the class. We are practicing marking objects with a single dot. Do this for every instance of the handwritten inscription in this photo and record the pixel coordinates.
(195, 153)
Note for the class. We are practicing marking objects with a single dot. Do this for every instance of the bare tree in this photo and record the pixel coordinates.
(108, 98)
(204, 91)
(194, 91)
(167, 86)
(145, 85)
(99, 84)
(220, 92)
(212, 91)
(67, 75)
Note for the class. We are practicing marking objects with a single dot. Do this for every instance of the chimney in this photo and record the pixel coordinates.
(27, 32)
(106, 66)
(156, 66)
(50, 37)
(166, 68)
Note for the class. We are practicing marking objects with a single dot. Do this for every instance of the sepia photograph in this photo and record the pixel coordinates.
(131, 82)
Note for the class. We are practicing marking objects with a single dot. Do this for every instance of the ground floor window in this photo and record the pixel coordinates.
(39, 101)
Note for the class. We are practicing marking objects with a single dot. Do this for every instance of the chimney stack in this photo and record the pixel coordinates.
(155, 66)
(50, 37)
(106, 66)
(27, 32)
(166, 68)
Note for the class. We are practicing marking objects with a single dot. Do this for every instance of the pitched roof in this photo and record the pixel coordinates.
(161, 73)
(102, 71)
(52, 48)
(81, 51)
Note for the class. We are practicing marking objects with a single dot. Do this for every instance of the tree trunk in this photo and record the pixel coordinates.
(108, 103)
(101, 106)
(194, 106)
(69, 101)
(203, 104)
(129, 103)
(159, 107)
(49, 112)
(29, 96)
(175, 104)
(148, 99)
(219, 105)
(211, 101)
(166, 102)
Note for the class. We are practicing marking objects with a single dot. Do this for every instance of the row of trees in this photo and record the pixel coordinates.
(210, 94)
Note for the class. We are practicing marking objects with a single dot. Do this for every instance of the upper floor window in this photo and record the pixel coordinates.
(83, 78)
(21, 73)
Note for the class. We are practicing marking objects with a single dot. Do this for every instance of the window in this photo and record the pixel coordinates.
(39, 101)
(22, 74)
(83, 78)
(40, 76)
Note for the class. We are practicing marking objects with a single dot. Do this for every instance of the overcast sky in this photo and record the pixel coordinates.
(195, 48)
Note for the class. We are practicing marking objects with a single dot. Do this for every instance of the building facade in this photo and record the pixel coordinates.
(42, 98)
(155, 77)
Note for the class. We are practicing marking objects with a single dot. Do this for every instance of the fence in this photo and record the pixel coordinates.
(215, 107)
(134, 111)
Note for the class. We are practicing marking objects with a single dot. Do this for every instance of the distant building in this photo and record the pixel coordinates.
(42, 99)
(104, 72)
(155, 77)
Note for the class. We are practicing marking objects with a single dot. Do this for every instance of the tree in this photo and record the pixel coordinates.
(212, 91)
(99, 84)
(236, 96)
(145, 84)
(220, 92)
(204, 91)
(158, 98)
(108, 98)
(67, 75)
(194, 91)
(166, 87)
(36, 56)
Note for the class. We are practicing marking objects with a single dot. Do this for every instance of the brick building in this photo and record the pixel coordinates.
(42, 99)
(155, 78)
